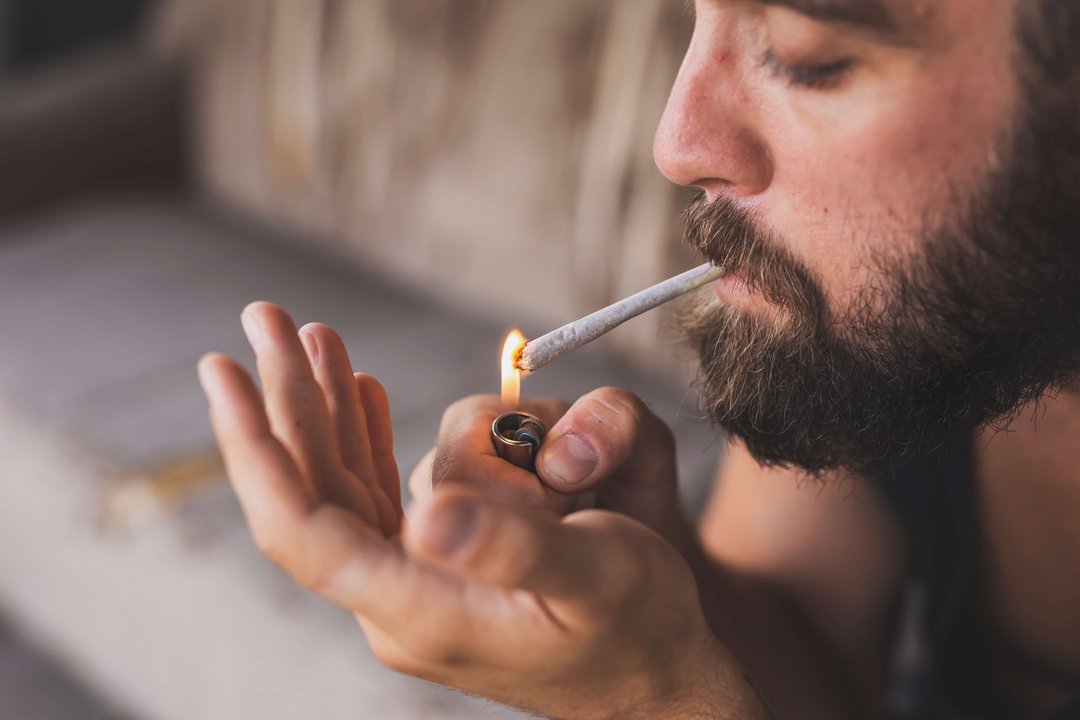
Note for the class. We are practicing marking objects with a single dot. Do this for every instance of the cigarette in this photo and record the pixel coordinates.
(548, 348)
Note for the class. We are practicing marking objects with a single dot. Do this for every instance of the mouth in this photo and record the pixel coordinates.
(735, 284)
(739, 292)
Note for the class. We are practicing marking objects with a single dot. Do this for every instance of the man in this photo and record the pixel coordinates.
(893, 186)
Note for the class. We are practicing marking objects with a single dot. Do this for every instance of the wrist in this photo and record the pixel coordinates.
(714, 686)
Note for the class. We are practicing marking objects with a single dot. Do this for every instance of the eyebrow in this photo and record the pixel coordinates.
(871, 15)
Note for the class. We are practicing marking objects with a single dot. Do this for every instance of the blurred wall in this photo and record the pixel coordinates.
(33, 32)
(86, 109)
(496, 153)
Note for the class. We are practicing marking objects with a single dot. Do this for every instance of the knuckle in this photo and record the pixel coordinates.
(318, 578)
(271, 546)
(392, 656)
(460, 423)
(454, 409)
(443, 464)
(422, 476)
(465, 407)
(631, 419)
(394, 660)
(616, 407)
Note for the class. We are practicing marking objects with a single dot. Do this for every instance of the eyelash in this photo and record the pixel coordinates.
(814, 77)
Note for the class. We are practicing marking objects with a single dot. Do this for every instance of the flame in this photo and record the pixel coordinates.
(511, 376)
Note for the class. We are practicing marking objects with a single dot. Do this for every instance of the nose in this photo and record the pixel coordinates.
(706, 136)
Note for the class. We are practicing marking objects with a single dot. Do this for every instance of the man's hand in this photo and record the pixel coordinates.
(607, 450)
(589, 616)
(465, 456)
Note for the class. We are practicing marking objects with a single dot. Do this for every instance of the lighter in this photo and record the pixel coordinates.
(517, 437)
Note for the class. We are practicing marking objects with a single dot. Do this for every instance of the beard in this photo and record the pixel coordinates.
(981, 319)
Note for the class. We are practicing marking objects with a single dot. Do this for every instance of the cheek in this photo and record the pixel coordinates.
(856, 178)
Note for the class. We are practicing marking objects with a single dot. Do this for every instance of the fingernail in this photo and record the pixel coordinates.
(451, 529)
(206, 378)
(252, 328)
(311, 347)
(569, 459)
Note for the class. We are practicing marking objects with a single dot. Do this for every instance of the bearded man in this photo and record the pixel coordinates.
(893, 187)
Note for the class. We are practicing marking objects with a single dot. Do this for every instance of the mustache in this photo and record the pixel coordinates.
(726, 236)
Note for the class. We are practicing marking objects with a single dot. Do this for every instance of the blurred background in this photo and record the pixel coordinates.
(421, 174)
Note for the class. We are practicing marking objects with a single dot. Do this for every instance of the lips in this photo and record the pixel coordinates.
(735, 284)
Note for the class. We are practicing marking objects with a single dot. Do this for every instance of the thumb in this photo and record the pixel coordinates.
(608, 432)
(479, 539)
(605, 432)
(609, 436)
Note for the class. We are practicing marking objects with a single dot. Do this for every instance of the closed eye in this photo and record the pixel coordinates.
(814, 76)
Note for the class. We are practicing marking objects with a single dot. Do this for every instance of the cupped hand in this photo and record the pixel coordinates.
(323, 432)
(592, 615)
(607, 450)
(465, 456)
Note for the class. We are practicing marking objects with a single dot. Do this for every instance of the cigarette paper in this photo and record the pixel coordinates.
(548, 348)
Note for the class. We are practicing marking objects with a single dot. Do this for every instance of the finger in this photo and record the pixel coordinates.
(357, 488)
(452, 466)
(468, 421)
(262, 472)
(324, 547)
(294, 401)
(333, 372)
(380, 428)
(465, 453)
(606, 432)
(577, 561)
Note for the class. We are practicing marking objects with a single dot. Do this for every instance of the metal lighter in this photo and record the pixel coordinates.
(517, 437)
